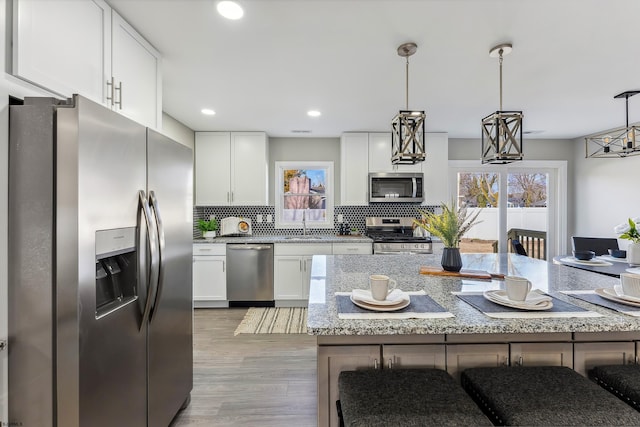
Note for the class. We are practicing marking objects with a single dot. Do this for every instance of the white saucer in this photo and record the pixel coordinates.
(635, 270)
(395, 297)
(535, 300)
(612, 259)
(402, 304)
(620, 294)
(594, 262)
(610, 294)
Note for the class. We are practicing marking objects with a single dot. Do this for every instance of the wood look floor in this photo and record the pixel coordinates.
(249, 380)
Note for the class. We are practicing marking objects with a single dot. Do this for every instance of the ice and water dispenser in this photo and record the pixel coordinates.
(116, 269)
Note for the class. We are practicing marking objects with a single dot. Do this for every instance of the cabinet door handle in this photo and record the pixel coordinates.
(520, 361)
(375, 363)
(232, 197)
(224, 266)
(119, 102)
(110, 91)
(390, 363)
(305, 265)
(228, 200)
(300, 265)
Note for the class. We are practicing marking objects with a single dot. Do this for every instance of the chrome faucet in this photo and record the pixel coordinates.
(304, 224)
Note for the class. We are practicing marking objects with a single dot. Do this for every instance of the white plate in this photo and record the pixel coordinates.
(620, 294)
(395, 297)
(612, 259)
(635, 270)
(610, 294)
(371, 307)
(594, 262)
(500, 297)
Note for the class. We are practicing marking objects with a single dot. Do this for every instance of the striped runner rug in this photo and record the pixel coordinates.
(273, 320)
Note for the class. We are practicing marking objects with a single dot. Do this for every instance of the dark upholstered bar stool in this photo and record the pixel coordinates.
(404, 397)
(544, 396)
(621, 380)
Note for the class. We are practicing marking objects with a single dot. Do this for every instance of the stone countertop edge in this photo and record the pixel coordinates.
(343, 273)
(286, 239)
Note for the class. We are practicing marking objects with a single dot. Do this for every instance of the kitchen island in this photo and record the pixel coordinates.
(469, 338)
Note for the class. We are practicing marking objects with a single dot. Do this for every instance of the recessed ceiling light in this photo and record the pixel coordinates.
(314, 113)
(230, 9)
(208, 111)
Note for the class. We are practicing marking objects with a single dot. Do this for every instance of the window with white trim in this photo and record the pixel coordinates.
(304, 191)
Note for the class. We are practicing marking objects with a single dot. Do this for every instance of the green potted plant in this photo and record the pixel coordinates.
(449, 226)
(629, 231)
(208, 228)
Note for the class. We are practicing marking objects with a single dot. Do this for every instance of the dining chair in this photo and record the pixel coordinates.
(598, 245)
(518, 248)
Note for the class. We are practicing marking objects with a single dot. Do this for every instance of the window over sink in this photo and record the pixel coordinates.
(304, 195)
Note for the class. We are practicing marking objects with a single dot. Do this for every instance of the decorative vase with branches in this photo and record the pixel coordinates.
(450, 226)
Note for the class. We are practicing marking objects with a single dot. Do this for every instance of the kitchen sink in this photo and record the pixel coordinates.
(303, 238)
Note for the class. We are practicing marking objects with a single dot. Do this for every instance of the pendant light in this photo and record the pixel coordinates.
(407, 136)
(617, 143)
(502, 130)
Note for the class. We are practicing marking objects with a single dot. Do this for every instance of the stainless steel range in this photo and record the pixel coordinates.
(395, 236)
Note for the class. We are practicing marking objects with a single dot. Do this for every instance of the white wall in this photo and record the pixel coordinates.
(304, 149)
(607, 193)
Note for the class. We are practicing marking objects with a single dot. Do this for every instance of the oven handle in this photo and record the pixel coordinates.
(398, 253)
(415, 187)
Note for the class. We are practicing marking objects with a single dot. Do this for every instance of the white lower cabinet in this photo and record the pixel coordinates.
(352, 248)
(414, 356)
(542, 354)
(464, 356)
(292, 271)
(589, 354)
(209, 275)
(331, 361)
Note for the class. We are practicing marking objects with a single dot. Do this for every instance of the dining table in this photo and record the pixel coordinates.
(603, 264)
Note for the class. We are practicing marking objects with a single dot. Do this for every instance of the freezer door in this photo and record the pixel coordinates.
(170, 188)
(101, 353)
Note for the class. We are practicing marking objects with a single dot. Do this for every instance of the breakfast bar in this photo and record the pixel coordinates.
(452, 326)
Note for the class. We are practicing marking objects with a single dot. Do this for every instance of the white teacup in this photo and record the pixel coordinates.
(517, 287)
(630, 284)
(381, 286)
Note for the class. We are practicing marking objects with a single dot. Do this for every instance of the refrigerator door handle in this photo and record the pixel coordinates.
(152, 278)
(153, 203)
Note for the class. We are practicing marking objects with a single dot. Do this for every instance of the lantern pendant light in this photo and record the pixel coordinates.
(617, 143)
(502, 130)
(407, 136)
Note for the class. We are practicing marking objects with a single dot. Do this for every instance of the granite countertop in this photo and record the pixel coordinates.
(314, 238)
(343, 273)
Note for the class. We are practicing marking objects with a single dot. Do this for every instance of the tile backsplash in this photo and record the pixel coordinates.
(353, 215)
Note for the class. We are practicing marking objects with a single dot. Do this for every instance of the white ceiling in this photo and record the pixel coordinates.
(263, 72)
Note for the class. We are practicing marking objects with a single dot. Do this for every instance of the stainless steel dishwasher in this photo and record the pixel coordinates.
(250, 274)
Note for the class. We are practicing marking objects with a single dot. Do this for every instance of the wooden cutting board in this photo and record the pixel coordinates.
(469, 274)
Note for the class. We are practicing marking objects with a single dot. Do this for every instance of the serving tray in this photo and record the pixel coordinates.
(469, 274)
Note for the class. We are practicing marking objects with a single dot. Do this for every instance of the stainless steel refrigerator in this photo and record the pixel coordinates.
(100, 257)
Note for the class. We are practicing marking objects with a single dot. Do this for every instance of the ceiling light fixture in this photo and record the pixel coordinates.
(502, 130)
(314, 113)
(407, 127)
(208, 112)
(230, 10)
(616, 143)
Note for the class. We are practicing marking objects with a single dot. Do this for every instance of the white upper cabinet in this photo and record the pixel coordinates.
(231, 168)
(354, 168)
(212, 168)
(63, 56)
(135, 70)
(380, 155)
(84, 47)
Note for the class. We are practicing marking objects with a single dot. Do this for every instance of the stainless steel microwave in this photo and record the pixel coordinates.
(396, 187)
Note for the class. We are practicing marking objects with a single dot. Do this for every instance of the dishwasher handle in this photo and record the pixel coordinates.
(243, 247)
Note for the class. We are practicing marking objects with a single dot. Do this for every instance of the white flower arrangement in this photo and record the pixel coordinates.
(627, 230)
